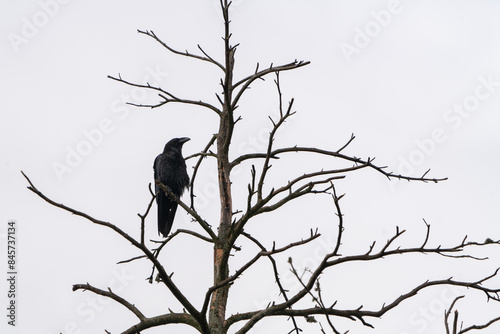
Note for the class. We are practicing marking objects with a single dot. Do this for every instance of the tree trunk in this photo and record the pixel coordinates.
(222, 248)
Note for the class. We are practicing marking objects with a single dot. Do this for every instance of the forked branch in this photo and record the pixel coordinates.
(206, 57)
(246, 82)
(357, 161)
(167, 96)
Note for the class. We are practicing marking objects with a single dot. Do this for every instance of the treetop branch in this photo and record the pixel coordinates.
(246, 82)
(206, 57)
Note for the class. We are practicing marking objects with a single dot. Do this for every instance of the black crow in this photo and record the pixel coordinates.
(170, 169)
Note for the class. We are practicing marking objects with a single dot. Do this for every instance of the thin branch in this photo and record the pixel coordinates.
(246, 82)
(447, 314)
(291, 245)
(276, 126)
(249, 156)
(197, 166)
(143, 217)
(207, 58)
(340, 216)
(132, 259)
(306, 188)
(322, 304)
(112, 295)
(179, 231)
(266, 165)
(165, 319)
(276, 274)
(427, 234)
(165, 95)
(357, 161)
(346, 144)
(489, 323)
(169, 238)
(251, 188)
(318, 300)
(192, 212)
(391, 240)
(442, 251)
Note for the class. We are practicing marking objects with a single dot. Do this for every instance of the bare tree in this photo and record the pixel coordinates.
(211, 316)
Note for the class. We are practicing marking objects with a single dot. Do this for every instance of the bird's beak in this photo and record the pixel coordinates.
(184, 139)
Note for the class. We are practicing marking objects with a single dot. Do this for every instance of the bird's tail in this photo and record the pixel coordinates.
(166, 214)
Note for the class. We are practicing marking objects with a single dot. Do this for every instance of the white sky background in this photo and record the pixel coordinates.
(395, 94)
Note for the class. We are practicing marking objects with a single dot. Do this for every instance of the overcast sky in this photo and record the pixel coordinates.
(417, 82)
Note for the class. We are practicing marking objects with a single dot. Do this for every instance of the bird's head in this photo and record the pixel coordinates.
(176, 143)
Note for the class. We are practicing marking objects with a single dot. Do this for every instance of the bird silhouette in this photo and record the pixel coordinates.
(170, 169)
